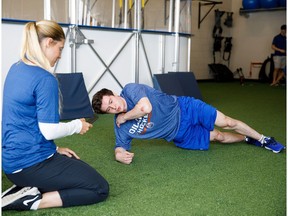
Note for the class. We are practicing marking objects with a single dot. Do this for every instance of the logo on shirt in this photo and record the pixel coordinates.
(149, 125)
(141, 125)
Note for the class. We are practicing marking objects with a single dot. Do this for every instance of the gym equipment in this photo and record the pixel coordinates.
(240, 74)
(221, 72)
(217, 46)
(229, 20)
(227, 49)
(207, 3)
(250, 4)
(268, 3)
(266, 71)
(75, 99)
(217, 35)
(282, 3)
(177, 83)
(217, 30)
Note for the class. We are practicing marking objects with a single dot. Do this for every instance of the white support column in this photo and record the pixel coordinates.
(113, 13)
(137, 47)
(138, 14)
(125, 13)
(162, 53)
(137, 4)
(47, 9)
(73, 18)
(176, 29)
(171, 12)
(189, 54)
(73, 11)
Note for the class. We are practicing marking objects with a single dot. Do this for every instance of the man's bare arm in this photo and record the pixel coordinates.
(142, 108)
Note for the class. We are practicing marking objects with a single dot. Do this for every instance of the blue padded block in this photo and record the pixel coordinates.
(75, 99)
(177, 83)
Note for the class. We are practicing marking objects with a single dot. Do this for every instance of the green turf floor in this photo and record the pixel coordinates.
(232, 179)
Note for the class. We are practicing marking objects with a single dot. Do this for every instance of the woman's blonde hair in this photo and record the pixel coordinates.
(33, 35)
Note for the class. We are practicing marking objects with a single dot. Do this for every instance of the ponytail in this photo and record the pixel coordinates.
(33, 34)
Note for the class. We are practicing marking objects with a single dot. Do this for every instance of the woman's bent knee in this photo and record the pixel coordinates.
(103, 192)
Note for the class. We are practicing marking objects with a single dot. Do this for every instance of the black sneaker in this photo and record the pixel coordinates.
(11, 190)
(17, 198)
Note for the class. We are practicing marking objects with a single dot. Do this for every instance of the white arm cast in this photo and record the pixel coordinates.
(53, 131)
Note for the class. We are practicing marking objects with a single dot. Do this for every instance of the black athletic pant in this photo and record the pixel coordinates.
(77, 182)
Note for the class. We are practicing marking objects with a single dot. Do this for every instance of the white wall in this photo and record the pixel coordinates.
(251, 38)
(251, 41)
(109, 45)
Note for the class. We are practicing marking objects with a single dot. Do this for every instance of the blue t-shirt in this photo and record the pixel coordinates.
(30, 96)
(162, 122)
(280, 42)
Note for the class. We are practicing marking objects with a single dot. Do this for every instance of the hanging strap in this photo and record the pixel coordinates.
(227, 48)
(229, 20)
(217, 30)
(217, 45)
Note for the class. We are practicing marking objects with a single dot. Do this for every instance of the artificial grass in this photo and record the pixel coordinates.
(232, 179)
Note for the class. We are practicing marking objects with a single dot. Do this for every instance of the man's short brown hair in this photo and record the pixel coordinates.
(97, 100)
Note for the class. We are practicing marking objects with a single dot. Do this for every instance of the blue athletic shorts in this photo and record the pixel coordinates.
(196, 121)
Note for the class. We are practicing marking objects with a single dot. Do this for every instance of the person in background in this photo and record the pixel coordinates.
(279, 57)
(280, 76)
(43, 174)
(143, 112)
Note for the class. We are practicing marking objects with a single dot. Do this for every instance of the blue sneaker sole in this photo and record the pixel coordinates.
(275, 151)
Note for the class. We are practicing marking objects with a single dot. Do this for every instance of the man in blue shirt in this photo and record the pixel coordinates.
(143, 112)
(279, 57)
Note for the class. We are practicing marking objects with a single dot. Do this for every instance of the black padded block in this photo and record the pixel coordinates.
(221, 72)
(178, 83)
(75, 99)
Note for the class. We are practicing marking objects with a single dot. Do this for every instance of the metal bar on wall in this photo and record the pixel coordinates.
(107, 67)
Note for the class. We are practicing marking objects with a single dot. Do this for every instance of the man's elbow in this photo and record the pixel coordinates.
(146, 108)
